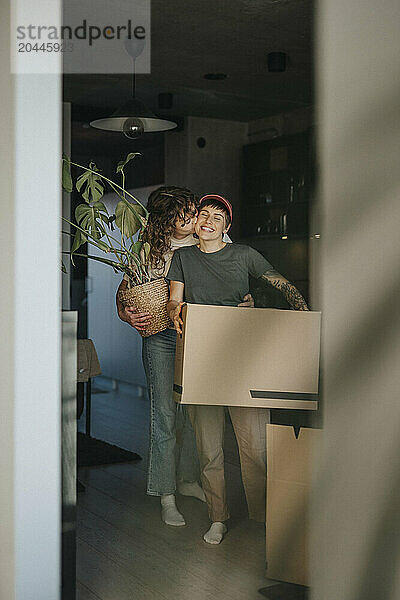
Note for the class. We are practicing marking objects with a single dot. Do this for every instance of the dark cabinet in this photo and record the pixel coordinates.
(277, 182)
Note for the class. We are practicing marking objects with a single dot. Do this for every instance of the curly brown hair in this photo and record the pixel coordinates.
(165, 205)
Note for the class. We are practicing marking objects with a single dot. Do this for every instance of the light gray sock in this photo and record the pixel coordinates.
(216, 533)
(169, 513)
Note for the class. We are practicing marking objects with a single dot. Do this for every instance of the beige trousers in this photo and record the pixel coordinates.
(249, 425)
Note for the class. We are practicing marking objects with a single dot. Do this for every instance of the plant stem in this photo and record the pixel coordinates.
(111, 263)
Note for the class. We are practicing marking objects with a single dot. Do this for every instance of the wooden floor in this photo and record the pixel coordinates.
(124, 550)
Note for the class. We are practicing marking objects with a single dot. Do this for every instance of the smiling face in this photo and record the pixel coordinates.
(211, 223)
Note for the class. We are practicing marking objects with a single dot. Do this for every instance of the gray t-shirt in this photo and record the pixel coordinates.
(219, 278)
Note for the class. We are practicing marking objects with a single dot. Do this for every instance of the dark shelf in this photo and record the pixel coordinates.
(281, 170)
(271, 236)
(277, 204)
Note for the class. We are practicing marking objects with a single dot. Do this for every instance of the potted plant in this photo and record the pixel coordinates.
(118, 235)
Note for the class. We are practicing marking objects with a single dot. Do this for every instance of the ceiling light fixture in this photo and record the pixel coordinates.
(133, 118)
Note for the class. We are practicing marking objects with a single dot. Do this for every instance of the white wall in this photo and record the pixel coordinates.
(30, 329)
(216, 168)
(7, 314)
(357, 500)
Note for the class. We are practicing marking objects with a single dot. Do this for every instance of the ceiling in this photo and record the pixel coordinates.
(194, 37)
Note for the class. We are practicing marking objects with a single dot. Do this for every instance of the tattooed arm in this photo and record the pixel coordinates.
(292, 295)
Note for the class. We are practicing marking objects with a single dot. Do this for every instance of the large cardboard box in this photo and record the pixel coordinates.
(289, 477)
(236, 356)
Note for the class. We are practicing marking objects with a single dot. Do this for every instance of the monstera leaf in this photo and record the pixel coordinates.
(129, 218)
(79, 239)
(92, 218)
(91, 184)
(122, 163)
(67, 184)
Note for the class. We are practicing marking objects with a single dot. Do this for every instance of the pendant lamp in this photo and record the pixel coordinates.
(133, 118)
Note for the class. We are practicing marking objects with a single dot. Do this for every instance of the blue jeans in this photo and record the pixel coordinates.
(172, 451)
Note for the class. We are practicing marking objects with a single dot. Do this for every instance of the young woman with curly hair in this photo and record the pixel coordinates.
(173, 462)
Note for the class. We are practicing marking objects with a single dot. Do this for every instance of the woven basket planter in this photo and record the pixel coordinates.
(151, 297)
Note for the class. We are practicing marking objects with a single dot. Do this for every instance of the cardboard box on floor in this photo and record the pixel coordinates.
(236, 356)
(289, 475)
